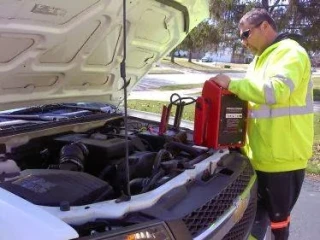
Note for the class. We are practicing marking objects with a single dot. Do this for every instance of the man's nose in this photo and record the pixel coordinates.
(244, 42)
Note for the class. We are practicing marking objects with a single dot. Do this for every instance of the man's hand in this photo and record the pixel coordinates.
(222, 80)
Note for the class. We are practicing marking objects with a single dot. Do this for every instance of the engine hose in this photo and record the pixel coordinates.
(163, 180)
(137, 184)
(72, 157)
(200, 158)
(153, 180)
(182, 147)
(161, 155)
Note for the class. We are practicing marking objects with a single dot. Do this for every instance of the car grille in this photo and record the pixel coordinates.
(243, 227)
(200, 219)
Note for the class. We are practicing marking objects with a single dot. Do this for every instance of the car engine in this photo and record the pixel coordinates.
(76, 169)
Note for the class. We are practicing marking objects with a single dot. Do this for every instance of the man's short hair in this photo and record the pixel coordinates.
(257, 16)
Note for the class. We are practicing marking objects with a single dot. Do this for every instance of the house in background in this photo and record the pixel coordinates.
(181, 53)
(227, 55)
(219, 56)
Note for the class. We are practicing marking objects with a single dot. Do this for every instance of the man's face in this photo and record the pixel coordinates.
(252, 37)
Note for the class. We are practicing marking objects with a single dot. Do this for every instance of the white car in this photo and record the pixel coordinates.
(72, 165)
(206, 59)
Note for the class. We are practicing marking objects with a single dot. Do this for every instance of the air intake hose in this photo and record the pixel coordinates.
(72, 157)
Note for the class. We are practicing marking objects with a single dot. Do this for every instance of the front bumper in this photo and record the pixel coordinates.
(237, 222)
(220, 205)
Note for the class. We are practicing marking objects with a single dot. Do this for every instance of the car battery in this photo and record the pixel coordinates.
(220, 118)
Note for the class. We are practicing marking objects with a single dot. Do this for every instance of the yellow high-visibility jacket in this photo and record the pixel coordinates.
(278, 88)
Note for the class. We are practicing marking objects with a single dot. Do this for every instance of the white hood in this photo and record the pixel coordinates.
(70, 50)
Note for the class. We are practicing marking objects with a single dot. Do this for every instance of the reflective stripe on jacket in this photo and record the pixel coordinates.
(279, 90)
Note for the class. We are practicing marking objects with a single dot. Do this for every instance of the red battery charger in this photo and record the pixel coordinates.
(220, 119)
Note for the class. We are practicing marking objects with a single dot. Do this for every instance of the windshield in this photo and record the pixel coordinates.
(65, 112)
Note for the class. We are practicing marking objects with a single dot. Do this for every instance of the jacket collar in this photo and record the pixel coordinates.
(296, 37)
(281, 37)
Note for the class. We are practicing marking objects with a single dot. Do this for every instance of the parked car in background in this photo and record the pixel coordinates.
(206, 59)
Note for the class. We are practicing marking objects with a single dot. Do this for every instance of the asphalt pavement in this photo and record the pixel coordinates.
(305, 217)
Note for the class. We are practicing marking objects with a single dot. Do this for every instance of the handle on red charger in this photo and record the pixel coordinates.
(200, 121)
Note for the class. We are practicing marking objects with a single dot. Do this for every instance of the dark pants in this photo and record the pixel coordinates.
(277, 194)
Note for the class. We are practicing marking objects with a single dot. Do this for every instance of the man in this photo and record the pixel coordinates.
(280, 125)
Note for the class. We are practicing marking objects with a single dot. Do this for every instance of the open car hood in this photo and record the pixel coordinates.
(70, 51)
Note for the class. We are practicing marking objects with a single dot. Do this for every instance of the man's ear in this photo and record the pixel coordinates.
(265, 25)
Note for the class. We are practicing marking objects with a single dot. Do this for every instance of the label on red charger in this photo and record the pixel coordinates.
(232, 121)
(233, 112)
(234, 115)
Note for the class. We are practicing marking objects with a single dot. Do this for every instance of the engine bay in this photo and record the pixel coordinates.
(74, 169)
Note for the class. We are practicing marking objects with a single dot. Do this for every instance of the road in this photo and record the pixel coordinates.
(154, 81)
(316, 106)
(305, 218)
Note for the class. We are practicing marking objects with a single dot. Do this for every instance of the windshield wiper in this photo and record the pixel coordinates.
(33, 117)
(91, 109)
(53, 107)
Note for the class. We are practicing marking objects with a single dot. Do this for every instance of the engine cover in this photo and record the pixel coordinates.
(51, 187)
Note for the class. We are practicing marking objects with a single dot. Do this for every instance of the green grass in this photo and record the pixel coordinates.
(313, 167)
(314, 163)
(156, 107)
(316, 86)
(180, 87)
(317, 126)
(316, 81)
(188, 114)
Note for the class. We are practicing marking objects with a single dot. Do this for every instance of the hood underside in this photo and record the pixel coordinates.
(70, 51)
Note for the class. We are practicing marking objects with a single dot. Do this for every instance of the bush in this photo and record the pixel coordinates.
(316, 94)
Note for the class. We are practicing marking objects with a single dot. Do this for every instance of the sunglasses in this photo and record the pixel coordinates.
(245, 34)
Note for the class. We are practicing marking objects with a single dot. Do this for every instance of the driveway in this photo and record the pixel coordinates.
(305, 217)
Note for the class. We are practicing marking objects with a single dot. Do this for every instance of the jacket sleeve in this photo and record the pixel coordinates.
(284, 72)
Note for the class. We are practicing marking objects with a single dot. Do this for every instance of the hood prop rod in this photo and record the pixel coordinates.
(126, 194)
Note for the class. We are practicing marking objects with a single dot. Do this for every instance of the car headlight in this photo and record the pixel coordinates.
(155, 232)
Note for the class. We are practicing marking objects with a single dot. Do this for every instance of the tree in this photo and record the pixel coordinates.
(204, 36)
(295, 16)
(172, 54)
(226, 14)
(305, 20)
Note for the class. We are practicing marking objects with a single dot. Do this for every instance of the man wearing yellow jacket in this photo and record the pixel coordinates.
(280, 133)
